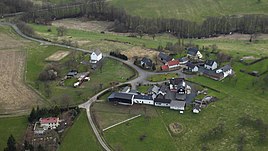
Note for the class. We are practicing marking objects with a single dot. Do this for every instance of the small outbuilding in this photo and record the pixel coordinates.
(177, 105)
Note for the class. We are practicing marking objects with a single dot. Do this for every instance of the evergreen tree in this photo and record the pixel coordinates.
(11, 144)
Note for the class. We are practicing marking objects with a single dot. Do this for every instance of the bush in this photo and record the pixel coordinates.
(119, 55)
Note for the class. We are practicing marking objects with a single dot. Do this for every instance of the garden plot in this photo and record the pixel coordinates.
(57, 56)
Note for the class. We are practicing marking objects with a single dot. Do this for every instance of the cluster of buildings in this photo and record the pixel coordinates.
(193, 63)
(45, 124)
(172, 95)
(81, 77)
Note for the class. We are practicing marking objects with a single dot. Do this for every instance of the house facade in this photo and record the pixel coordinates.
(49, 123)
(211, 65)
(191, 67)
(95, 56)
(162, 102)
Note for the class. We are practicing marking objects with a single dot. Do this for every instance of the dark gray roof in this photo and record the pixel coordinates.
(97, 52)
(180, 96)
(190, 65)
(163, 88)
(164, 57)
(210, 62)
(176, 81)
(147, 61)
(121, 95)
(180, 104)
(144, 97)
(192, 51)
(226, 68)
(184, 59)
(162, 100)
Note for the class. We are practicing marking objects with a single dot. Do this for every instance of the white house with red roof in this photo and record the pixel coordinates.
(49, 123)
(173, 64)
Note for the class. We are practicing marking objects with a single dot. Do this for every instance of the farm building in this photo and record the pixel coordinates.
(121, 98)
(143, 99)
(177, 105)
(95, 56)
(162, 102)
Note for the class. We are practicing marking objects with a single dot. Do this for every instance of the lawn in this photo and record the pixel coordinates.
(143, 88)
(12, 125)
(162, 77)
(80, 136)
(194, 10)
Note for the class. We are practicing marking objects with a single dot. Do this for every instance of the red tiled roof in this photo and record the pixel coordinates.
(164, 67)
(173, 62)
(48, 120)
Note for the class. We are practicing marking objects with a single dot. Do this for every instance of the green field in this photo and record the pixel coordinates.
(80, 136)
(12, 125)
(194, 10)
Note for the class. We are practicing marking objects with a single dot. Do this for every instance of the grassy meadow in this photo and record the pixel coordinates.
(80, 136)
(12, 125)
(194, 10)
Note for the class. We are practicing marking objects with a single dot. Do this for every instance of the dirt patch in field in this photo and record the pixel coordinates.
(140, 52)
(57, 56)
(175, 128)
(9, 42)
(14, 94)
(83, 25)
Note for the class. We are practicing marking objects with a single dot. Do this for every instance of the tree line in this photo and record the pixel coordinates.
(124, 22)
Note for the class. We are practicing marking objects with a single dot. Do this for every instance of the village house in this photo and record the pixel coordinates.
(177, 85)
(225, 70)
(146, 63)
(194, 53)
(49, 123)
(211, 65)
(95, 56)
(143, 99)
(191, 67)
(171, 65)
(164, 58)
(122, 98)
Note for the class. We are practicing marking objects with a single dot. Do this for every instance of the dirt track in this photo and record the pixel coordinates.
(14, 94)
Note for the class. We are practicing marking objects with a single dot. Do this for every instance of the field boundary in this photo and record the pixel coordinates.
(132, 118)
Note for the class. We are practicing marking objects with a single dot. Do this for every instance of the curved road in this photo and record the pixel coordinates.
(142, 76)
